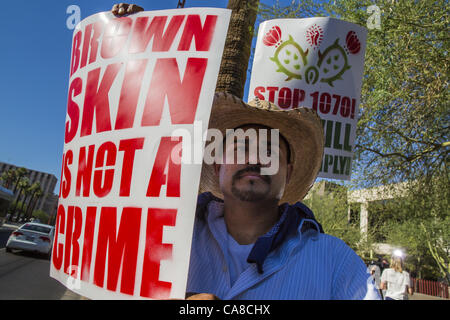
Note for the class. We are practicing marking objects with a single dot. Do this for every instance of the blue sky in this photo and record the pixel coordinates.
(34, 58)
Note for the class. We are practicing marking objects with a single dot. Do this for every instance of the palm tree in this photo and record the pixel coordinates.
(22, 187)
(236, 54)
(8, 177)
(18, 174)
(26, 191)
(36, 193)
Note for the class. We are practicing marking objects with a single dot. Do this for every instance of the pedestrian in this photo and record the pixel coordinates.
(395, 280)
(376, 274)
(253, 238)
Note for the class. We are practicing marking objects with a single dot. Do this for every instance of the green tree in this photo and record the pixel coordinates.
(41, 215)
(331, 210)
(35, 193)
(23, 187)
(19, 173)
(403, 129)
(8, 177)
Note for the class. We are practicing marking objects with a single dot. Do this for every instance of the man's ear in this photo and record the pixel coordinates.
(289, 170)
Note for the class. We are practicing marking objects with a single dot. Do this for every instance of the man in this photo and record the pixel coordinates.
(252, 237)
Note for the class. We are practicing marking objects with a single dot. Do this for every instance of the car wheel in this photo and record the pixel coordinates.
(8, 249)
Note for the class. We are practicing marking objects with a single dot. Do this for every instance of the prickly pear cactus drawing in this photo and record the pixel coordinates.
(332, 63)
(292, 60)
(289, 56)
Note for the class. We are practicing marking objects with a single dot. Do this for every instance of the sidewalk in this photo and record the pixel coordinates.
(70, 295)
(420, 296)
(11, 225)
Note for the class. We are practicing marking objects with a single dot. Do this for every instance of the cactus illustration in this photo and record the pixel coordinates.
(332, 63)
(290, 59)
(311, 75)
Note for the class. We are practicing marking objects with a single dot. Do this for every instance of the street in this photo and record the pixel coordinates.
(4, 234)
(25, 276)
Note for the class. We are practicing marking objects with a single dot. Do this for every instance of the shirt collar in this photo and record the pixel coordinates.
(297, 217)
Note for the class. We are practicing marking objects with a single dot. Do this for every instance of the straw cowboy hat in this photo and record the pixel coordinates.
(301, 127)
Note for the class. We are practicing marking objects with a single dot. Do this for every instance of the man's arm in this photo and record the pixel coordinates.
(125, 8)
(383, 280)
(409, 289)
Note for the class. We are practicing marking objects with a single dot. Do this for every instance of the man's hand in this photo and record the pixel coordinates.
(122, 9)
(410, 291)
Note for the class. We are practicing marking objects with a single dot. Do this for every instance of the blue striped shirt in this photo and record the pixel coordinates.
(307, 265)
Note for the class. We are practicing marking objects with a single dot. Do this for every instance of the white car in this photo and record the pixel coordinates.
(34, 237)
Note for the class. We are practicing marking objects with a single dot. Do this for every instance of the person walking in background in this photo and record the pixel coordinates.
(376, 274)
(395, 280)
(384, 264)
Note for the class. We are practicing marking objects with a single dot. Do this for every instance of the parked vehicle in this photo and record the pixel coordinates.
(33, 237)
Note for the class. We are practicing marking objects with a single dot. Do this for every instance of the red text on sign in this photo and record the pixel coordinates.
(115, 262)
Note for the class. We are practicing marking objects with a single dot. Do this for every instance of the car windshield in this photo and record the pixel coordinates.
(33, 227)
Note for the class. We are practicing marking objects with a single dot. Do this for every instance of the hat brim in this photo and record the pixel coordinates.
(301, 127)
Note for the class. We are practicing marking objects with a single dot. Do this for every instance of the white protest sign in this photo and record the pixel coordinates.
(127, 203)
(316, 63)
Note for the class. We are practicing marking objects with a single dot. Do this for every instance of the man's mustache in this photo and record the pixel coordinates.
(256, 169)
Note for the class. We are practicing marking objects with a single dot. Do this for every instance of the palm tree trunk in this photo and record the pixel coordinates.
(16, 185)
(25, 198)
(29, 213)
(34, 204)
(233, 69)
(13, 211)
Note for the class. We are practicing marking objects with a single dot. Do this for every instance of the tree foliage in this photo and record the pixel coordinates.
(331, 210)
(17, 180)
(403, 129)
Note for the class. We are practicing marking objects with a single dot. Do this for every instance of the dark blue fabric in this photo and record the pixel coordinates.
(290, 219)
(202, 204)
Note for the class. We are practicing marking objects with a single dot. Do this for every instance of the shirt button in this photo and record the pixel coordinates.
(224, 268)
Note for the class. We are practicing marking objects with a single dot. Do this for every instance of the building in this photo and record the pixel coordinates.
(363, 197)
(358, 202)
(6, 197)
(48, 201)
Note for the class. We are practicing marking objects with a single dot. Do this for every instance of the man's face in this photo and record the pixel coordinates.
(244, 181)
